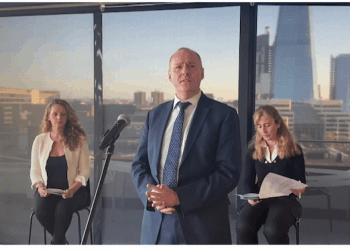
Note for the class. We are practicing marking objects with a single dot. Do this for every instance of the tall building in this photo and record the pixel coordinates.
(157, 98)
(294, 75)
(140, 99)
(340, 80)
(263, 66)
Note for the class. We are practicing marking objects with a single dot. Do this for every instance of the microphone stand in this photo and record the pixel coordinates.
(109, 153)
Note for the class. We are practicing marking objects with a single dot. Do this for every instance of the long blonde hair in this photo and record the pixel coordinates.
(73, 133)
(287, 146)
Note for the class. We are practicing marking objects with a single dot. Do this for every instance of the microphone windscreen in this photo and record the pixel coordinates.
(125, 118)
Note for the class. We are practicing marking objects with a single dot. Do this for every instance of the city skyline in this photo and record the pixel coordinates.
(55, 52)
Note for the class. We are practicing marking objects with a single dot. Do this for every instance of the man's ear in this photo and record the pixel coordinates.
(169, 75)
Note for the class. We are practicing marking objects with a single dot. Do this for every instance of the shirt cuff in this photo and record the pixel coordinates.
(81, 179)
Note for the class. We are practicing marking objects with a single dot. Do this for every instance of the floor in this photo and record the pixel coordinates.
(122, 226)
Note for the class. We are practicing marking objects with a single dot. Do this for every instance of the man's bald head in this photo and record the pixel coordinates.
(184, 48)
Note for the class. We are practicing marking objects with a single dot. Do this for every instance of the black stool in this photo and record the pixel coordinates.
(79, 226)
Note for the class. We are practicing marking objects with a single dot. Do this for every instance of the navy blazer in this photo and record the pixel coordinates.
(210, 169)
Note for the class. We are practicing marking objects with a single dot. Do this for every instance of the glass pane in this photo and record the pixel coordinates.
(42, 58)
(303, 70)
(137, 48)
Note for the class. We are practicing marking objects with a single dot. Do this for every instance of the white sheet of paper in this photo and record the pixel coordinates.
(275, 185)
(55, 191)
(249, 196)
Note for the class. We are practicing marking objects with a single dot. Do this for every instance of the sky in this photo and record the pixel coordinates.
(56, 52)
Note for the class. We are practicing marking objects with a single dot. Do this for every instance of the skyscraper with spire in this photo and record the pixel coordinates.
(294, 75)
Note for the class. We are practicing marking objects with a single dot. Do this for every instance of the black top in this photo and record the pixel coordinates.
(292, 167)
(56, 169)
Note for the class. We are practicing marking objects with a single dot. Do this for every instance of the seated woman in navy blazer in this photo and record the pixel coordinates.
(272, 149)
(60, 159)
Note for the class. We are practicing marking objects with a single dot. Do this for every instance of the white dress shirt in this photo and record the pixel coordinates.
(271, 158)
(189, 111)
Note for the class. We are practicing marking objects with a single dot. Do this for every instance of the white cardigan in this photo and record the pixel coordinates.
(77, 161)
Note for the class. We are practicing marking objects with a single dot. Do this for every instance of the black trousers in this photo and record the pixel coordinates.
(276, 214)
(55, 213)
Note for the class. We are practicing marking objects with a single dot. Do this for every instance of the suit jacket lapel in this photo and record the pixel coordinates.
(198, 119)
(160, 124)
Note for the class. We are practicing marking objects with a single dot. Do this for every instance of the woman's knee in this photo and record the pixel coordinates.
(243, 226)
(272, 231)
(42, 211)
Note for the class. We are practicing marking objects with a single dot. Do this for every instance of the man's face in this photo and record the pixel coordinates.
(185, 73)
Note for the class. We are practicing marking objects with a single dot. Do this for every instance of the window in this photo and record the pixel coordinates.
(137, 48)
(302, 39)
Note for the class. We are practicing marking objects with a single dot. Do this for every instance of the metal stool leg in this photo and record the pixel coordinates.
(79, 226)
(330, 212)
(30, 226)
(296, 225)
(91, 228)
(45, 236)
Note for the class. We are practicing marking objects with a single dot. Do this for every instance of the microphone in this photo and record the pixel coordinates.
(112, 135)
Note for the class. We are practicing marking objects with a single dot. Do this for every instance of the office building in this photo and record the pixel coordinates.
(337, 122)
(157, 98)
(16, 105)
(263, 66)
(140, 99)
(294, 65)
(27, 96)
(340, 80)
(21, 112)
(308, 125)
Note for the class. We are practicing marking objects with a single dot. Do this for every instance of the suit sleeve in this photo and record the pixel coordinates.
(213, 188)
(249, 185)
(140, 168)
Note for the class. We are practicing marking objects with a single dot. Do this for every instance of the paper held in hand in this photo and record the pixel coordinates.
(55, 191)
(274, 185)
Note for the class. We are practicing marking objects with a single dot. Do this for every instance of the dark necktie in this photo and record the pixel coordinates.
(172, 159)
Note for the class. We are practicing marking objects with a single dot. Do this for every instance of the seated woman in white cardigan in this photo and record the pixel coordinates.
(60, 160)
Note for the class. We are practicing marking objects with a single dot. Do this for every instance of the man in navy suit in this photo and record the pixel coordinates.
(208, 169)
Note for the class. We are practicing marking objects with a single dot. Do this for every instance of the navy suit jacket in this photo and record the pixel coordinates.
(210, 168)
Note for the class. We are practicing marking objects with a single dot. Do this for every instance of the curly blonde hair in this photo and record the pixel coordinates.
(73, 133)
(287, 146)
